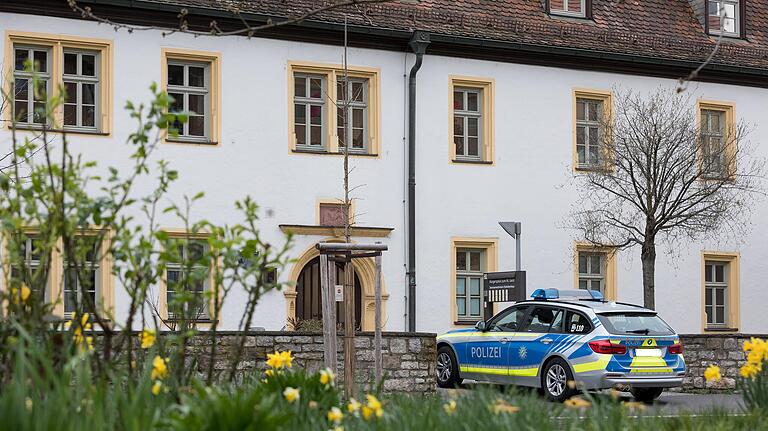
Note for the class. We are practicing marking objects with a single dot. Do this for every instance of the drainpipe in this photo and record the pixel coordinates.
(418, 44)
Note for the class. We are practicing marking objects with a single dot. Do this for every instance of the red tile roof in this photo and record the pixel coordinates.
(666, 29)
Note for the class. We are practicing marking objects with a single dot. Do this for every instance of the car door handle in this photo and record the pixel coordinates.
(504, 340)
(546, 340)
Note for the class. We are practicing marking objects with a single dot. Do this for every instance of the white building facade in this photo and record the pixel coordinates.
(495, 140)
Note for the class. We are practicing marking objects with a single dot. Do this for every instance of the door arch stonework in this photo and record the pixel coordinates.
(365, 269)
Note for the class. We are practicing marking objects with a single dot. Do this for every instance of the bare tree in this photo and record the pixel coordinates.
(665, 172)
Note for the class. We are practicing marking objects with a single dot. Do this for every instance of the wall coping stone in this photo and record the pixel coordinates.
(724, 335)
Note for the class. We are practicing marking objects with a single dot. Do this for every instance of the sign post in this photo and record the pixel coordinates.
(503, 286)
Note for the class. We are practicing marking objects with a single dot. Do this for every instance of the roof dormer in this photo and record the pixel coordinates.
(572, 8)
(721, 17)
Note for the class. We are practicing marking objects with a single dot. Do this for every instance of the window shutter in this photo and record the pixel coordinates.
(588, 8)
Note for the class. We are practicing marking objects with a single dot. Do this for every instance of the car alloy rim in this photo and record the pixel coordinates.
(443, 367)
(556, 380)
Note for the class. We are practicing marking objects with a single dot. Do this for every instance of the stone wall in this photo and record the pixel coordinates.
(723, 350)
(408, 359)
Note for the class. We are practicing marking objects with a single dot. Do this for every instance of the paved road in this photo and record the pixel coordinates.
(674, 402)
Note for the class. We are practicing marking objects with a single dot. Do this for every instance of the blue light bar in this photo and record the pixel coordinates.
(596, 294)
(543, 294)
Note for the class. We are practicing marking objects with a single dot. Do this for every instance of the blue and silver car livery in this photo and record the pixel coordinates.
(561, 336)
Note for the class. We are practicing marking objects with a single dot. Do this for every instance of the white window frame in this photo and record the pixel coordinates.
(31, 264)
(467, 274)
(352, 105)
(465, 115)
(587, 126)
(181, 268)
(710, 292)
(588, 276)
(88, 265)
(307, 102)
(713, 165)
(186, 90)
(720, 4)
(566, 9)
(45, 76)
(79, 79)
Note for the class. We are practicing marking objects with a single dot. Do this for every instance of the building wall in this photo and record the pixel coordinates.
(531, 180)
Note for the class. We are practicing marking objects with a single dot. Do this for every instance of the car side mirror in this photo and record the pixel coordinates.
(481, 326)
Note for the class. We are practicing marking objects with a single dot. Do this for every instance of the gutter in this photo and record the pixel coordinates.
(418, 44)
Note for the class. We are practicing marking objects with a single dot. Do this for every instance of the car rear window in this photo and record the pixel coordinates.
(635, 324)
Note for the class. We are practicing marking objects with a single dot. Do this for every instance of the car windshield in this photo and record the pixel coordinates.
(634, 324)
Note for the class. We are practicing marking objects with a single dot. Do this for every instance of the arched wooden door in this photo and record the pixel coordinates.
(308, 295)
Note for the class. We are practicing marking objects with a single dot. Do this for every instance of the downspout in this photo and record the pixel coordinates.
(418, 44)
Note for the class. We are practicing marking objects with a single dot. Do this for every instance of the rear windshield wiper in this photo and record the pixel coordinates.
(639, 331)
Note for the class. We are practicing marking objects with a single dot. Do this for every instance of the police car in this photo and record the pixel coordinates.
(561, 336)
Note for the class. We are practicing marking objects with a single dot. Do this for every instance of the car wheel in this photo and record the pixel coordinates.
(554, 380)
(646, 395)
(447, 368)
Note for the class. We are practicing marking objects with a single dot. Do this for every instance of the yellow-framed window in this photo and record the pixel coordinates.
(187, 273)
(63, 287)
(720, 275)
(471, 120)
(81, 66)
(193, 80)
(717, 138)
(594, 268)
(93, 282)
(470, 258)
(591, 112)
(329, 106)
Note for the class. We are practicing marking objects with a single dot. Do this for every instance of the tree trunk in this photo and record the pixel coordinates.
(648, 256)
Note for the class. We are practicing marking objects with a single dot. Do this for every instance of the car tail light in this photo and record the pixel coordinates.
(675, 349)
(608, 348)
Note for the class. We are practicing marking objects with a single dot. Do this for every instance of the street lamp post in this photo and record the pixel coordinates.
(513, 229)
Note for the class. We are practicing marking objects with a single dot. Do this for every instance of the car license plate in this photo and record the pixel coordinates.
(648, 353)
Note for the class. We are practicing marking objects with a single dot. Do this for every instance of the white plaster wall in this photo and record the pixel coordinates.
(529, 183)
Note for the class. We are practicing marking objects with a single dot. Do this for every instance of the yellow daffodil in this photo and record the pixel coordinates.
(280, 360)
(367, 412)
(287, 358)
(25, 293)
(147, 338)
(712, 373)
(28, 404)
(450, 407)
(269, 373)
(156, 387)
(159, 368)
(353, 406)
(339, 428)
(335, 415)
(372, 407)
(748, 371)
(577, 403)
(326, 377)
(501, 406)
(291, 394)
(373, 402)
(274, 360)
